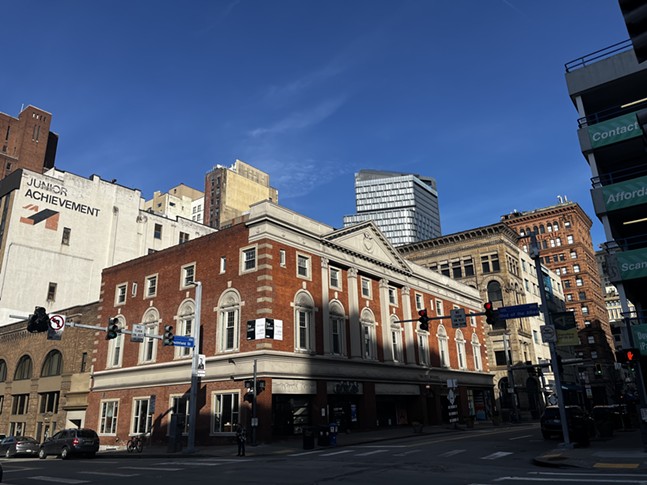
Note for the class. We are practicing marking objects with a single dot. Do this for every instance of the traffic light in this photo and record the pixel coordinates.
(635, 15)
(490, 313)
(168, 336)
(628, 356)
(39, 321)
(424, 319)
(113, 329)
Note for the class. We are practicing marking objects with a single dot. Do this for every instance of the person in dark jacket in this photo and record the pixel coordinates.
(241, 437)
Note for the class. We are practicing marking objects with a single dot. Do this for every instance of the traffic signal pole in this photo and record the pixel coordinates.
(534, 254)
(195, 380)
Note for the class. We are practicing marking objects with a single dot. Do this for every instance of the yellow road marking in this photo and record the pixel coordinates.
(616, 465)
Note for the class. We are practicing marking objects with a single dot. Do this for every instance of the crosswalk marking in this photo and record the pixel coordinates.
(341, 452)
(451, 453)
(109, 474)
(405, 453)
(150, 468)
(498, 454)
(372, 452)
(58, 480)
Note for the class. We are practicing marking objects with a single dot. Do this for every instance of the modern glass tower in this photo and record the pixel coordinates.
(403, 206)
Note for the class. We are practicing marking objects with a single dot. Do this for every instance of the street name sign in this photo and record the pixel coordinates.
(183, 341)
(518, 311)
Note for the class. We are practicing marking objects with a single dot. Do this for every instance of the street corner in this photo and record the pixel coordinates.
(557, 459)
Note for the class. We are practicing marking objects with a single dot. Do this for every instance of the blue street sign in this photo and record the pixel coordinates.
(183, 341)
(518, 311)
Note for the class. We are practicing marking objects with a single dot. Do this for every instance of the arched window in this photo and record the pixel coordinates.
(494, 293)
(3, 371)
(24, 369)
(185, 325)
(228, 338)
(337, 327)
(369, 341)
(460, 349)
(443, 347)
(148, 348)
(52, 365)
(476, 351)
(304, 338)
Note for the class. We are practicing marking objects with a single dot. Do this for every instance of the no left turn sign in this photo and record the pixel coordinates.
(56, 327)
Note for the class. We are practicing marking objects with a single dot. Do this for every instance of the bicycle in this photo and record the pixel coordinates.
(135, 443)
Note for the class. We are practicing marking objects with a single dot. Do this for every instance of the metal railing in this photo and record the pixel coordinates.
(596, 56)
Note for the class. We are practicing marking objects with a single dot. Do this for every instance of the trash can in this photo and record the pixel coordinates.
(333, 429)
(324, 436)
(308, 438)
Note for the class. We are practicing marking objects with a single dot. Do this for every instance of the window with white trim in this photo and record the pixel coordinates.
(225, 415)
(282, 258)
(304, 322)
(120, 294)
(419, 302)
(337, 325)
(142, 419)
(460, 349)
(229, 321)
(179, 405)
(443, 345)
(476, 352)
(148, 348)
(369, 339)
(396, 342)
(439, 308)
(335, 278)
(151, 286)
(223, 264)
(248, 260)
(393, 296)
(115, 348)
(366, 287)
(423, 347)
(185, 319)
(188, 275)
(108, 420)
(303, 266)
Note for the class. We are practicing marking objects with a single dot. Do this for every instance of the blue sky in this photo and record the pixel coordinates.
(472, 92)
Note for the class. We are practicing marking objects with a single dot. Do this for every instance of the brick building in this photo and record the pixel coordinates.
(44, 384)
(342, 350)
(26, 142)
(564, 234)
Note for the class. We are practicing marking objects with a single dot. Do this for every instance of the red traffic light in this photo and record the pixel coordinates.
(490, 314)
(424, 319)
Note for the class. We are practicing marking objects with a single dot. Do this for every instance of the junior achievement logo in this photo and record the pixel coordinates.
(49, 216)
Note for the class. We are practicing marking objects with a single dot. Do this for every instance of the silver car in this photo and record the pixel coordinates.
(19, 445)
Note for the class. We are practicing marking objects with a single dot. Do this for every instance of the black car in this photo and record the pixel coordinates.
(70, 442)
(581, 427)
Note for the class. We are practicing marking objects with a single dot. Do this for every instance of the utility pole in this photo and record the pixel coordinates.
(534, 254)
(195, 380)
(254, 404)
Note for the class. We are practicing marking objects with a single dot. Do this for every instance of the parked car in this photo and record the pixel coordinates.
(581, 427)
(70, 442)
(18, 445)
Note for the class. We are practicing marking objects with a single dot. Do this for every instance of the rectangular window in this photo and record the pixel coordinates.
(151, 286)
(393, 296)
(368, 333)
(249, 259)
(337, 334)
(225, 413)
(84, 361)
(223, 264)
(20, 404)
(303, 321)
(468, 266)
(141, 423)
(230, 329)
(569, 239)
(49, 402)
(282, 258)
(1, 403)
(120, 294)
(576, 268)
(591, 339)
(157, 233)
(303, 266)
(51, 292)
(65, 241)
(444, 268)
(335, 278)
(457, 270)
(188, 275)
(439, 308)
(419, 304)
(184, 237)
(499, 356)
(366, 288)
(423, 348)
(109, 410)
(180, 407)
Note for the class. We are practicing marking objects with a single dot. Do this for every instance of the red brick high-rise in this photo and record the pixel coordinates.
(26, 142)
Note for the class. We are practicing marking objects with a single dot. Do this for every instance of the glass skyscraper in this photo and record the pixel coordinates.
(403, 206)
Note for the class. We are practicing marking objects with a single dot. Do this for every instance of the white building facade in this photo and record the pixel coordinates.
(58, 231)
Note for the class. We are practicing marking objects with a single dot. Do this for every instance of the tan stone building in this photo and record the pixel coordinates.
(44, 384)
(230, 191)
(488, 259)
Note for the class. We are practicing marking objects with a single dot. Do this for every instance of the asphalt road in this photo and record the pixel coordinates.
(484, 457)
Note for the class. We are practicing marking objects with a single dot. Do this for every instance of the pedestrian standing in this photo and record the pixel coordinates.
(241, 437)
